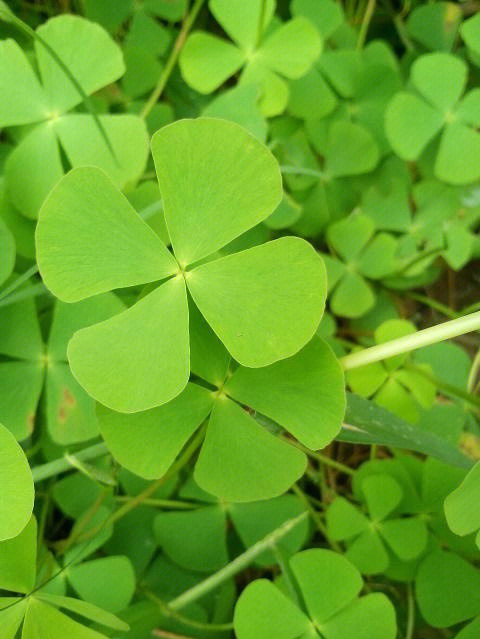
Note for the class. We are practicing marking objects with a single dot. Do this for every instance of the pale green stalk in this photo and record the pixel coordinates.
(425, 337)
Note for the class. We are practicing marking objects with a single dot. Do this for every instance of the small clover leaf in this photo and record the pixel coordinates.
(370, 538)
(329, 585)
(461, 506)
(470, 32)
(211, 193)
(433, 110)
(207, 550)
(32, 365)
(7, 252)
(47, 106)
(400, 388)
(266, 52)
(363, 254)
(435, 26)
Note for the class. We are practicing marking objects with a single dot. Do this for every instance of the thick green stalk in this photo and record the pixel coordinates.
(172, 60)
(237, 565)
(425, 337)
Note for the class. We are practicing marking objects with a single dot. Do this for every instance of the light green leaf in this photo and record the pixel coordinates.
(440, 78)
(351, 150)
(241, 461)
(23, 100)
(242, 20)
(207, 61)
(406, 537)
(107, 583)
(36, 161)
(148, 442)
(263, 612)
(462, 505)
(470, 31)
(353, 296)
(41, 620)
(274, 90)
(368, 553)
(84, 145)
(16, 487)
(209, 359)
(410, 123)
(458, 159)
(91, 240)
(371, 617)
(89, 53)
(12, 612)
(292, 48)
(18, 557)
(304, 393)
(84, 609)
(314, 569)
(216, 181)
(148, 343)
(382, 494)
(264, 303)
(327, 15)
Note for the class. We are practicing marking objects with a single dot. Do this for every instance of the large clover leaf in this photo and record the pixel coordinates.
(264, 52)
(94, 61)
(216, 182)
(329, 586)
(415, 118)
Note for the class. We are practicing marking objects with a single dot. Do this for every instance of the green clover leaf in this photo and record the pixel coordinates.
(94, 63)
(90, 240)
(7, 252)
(33, 365)
(207, 550)
(461, 510)
(240, 460)
(266, 52)
(434, 110)
(329, 586)
(362, 254)
(370, 538)
(435, 26)
(470, 32)
(400, 388)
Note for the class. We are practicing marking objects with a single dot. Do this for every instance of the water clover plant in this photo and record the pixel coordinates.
(49, 124)
(369, 537)
(265, 49)
(324, 603)
(435, 105)
(90, 240)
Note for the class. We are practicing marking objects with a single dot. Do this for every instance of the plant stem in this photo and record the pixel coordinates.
(162, 503)
(472, 377)
(152, 488)
(62, 464)
(235, 566)
(315, 516)
(301, 170)
(323, 459)
(172, 59)
(433, 304)
(367, 17)
(410, 613)
(29, 291)
(19, 281)
(425, 337)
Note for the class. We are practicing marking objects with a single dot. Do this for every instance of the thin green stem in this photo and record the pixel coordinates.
(323, 459)
(162, 503)
(172, 59)
(317, 520)
(410, 613)
(261, 18)
(168, 611)
(301, 170)
(444, 387)
(62, 464)
(425, 337)
(434, 305)
(19, 281)
(237, 565)
(152, 488)
(473, 374)
(367, 18)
